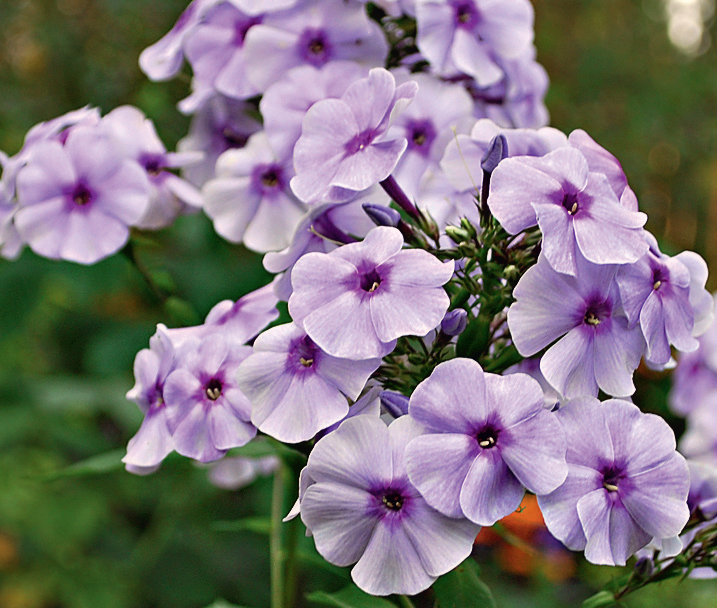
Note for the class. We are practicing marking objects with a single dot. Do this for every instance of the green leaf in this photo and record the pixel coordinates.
(350, 597)
(95, 465)
(475, 339)
(463, 588)
(600, 600)
(260, 525)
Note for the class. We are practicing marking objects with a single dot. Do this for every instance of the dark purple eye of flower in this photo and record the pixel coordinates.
(421, 135)
(570, 202)
(597, 312)
(359, 142)
(393, 500)
(233, 139)
(304, 353)
(314, 47)
(466, 14)
(153, 164)
(370, 281)
(270, 178)
(487, 438)
(658, 279)
(213, 389)
(81, 195)
(610, 479)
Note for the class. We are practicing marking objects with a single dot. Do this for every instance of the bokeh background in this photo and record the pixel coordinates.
(69, 334)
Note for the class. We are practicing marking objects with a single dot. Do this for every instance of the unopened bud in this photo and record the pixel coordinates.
(454, 322)
(496, 152)
(382, 215)
(456, 234)
(644, 567)
(468, 227)
(394, 403)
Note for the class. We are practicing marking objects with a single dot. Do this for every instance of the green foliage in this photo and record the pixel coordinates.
(462, 587)
(349, 597)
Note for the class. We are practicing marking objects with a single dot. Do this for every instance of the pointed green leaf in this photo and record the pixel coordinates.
(600, 600)
(95, 465)
(463, 588)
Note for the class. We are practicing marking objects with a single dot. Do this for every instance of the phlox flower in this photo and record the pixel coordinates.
(626, 482)
(207, 414)
(314, 33)
(249, 200)
(361, 508)
(487, 438)
(78, 200)
(153, 440)
(355, 301)
(576, 209)
(595, 348)
(464, 36)
(295, 388)
(657, 292)
(344, 147)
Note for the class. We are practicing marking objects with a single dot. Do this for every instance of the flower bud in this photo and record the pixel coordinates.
(454, 322)
(382, 215)
(495, 153)
(394, 403)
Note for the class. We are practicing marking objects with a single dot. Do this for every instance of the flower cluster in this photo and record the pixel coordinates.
(429, 234)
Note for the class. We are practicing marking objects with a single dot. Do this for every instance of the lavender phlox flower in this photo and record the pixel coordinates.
(207, 413)
(355, 301)
(241, 320)
(517, 100)
(576, 209)
(249, 200)
(465, 36)
(215, 50)
(78, 200)
(153, 440)
(344, 145)
(169, 194)
(285, 102)
(626, 483)
(437, 113)
(323, 229)
(163, 59)
(295, 388)
(595, 348)
(362, 509)
(237, 472)
(702, 498)
(487, 438)
(695, 376)
(220, 124)
(314, 33)
(655, 293)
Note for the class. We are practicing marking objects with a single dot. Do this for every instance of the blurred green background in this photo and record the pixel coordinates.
(69, 334)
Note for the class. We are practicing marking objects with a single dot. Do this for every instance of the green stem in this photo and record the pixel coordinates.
(405, 601)
(275, 539)
(130, 253)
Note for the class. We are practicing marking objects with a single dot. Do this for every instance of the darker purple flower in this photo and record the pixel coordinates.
(344, 147)
(626, 483)
(487, 438)
(295, 388)
(357, 300)
(361, 508)
(594, 346)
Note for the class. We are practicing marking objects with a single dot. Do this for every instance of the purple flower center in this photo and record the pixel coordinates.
(421, 134)
(487, 437)
(314, 47)
(611, 477)
(268, 179)
(570, 202)
(213, 389)
(81, 195)
(232, 139)
(596, 312)
(370, 281)
(153, 163)
(241, 28)
(303, 355)
(393, 500)
(658, 278)
(466, 15)
(359, 142)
